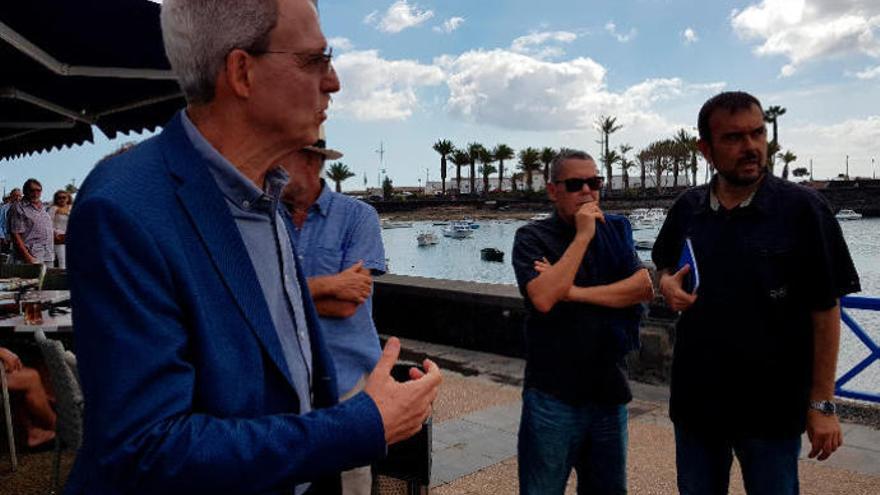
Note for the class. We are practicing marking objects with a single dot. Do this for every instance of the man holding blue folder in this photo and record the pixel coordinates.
(755, 265)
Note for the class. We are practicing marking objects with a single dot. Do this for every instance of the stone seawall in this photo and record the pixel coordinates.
(491, 317)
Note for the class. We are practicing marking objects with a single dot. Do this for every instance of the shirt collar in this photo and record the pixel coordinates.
(325, 199)
(715, 203)
(237, 188)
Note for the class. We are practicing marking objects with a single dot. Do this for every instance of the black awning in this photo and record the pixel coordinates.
(68, 65)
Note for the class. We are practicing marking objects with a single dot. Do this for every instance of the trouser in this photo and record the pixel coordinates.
(769, 466)
(555, 437)
(357, 481)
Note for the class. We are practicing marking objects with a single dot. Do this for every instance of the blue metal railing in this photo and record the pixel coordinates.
(872, 304)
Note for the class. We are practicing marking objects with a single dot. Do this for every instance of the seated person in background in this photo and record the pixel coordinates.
(39, 420)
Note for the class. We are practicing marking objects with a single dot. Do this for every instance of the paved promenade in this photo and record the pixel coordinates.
(477, 416)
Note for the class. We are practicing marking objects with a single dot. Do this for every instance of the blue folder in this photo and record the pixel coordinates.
(692, 281)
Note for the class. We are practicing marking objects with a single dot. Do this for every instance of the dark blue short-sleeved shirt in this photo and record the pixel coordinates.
(744, 351)
(575, 351)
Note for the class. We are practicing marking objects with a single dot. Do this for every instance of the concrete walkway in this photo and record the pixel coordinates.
(477, 417)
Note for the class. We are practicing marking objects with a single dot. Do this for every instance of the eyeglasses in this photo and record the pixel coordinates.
(35, 189)
(307, 60)
(575, 184)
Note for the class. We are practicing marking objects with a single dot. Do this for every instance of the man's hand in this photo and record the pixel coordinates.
(353, 284)
(671, 288)
(10, 361)
(585, 219)
(404, 406)
(824, 433)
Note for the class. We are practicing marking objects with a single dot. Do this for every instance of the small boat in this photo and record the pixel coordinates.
(458, 230)
(427, 239)
(644, 245)
(539, 217)
(491, 254)
(443, 223)
(847, 215)
(390, 224)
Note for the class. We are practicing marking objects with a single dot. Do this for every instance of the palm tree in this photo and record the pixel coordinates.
(338, 172)
(688, 146)
(487, 169)
(625, 164)
(787, 158)
(644, 157)
(445, 148)
(473, 150)
(516, 177)
(502, 152)
(486, 159)
(771, 116)
(547, 155)
(529, 161)
(459, 158)
(607, 126)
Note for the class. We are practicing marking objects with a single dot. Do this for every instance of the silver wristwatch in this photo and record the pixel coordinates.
(825, 407)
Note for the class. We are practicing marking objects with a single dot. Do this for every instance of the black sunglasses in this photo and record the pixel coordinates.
(575, 184)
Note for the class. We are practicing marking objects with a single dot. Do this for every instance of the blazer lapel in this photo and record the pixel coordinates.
(207, 209)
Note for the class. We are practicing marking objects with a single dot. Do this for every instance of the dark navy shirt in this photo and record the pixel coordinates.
(743, 356)
(575, 351)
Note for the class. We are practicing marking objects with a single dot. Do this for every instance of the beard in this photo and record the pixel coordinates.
(733, 177)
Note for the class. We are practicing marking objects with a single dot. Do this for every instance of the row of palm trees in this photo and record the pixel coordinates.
(678, 154)
(530, 161)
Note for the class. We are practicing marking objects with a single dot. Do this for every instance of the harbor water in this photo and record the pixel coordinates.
(459, 259)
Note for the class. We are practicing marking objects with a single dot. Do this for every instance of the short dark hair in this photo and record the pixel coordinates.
(30, 182)
(732, 101)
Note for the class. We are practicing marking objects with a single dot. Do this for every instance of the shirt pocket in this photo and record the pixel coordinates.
(327, 260)
(774, 267)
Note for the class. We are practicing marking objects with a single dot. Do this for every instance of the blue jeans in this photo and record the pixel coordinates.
(555, 437)
(769, 466)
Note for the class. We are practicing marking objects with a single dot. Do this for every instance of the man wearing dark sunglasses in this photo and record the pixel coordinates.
(583, 284)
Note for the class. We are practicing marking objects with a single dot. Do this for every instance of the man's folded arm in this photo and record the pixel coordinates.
(136, 359)
(632, 290)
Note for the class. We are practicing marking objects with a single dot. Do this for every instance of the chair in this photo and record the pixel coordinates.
(10, 435)
(407, 467)
(68, 394)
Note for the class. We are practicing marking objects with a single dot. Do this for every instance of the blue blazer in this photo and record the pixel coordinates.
(186, 388)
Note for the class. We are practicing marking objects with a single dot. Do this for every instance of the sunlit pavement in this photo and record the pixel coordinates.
(477, 416)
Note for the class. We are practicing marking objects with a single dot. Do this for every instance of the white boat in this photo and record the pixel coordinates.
(458, 230)
(427, 239)
(645, 219)
(390, 224)
(539, 217)
(847, 215)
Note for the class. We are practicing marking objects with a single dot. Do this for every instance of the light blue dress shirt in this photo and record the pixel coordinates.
(338, 232)
(268, 244)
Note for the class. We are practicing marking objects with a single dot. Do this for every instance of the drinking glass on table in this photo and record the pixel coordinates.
(32, 307)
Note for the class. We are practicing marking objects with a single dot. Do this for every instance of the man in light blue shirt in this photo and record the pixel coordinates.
(339, 242)
(10, 201)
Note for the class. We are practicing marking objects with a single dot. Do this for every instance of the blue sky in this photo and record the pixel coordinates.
(528, 73)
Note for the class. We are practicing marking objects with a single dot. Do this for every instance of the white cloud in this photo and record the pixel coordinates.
(869, 73)
(611, 27)
(377, 89)
(340, 43)
(399, 16)
(517, 91)
(534, 44)
(806, 30)
(449, 25)
(689, 36)
(828, 144)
